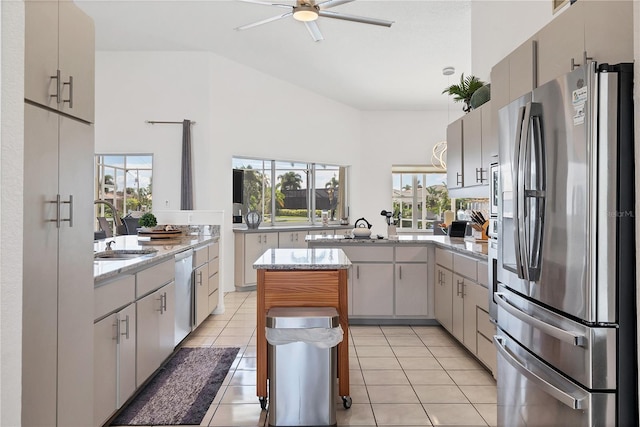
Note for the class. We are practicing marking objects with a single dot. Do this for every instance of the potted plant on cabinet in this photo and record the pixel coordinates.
(464, 90)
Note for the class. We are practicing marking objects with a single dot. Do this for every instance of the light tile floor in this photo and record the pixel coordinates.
(400, 375)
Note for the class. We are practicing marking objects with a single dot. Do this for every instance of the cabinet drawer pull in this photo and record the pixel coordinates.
(357, 271)
(400, 271)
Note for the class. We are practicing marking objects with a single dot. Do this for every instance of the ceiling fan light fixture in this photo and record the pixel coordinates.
(305, 13)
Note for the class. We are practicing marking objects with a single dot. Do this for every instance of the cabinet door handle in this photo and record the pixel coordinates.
(585, 59)
(70, 203)
(265, 239)
(57, 220)
(458, 178)
(458, 291)
(70, 84)
(259, 238)
(58, 79)
(200, 278)
(126, 330)
(400, 271)
(161, 299)
(116, 327)
(292, 237)
(357, 271)
(297, 237)
(165, 302)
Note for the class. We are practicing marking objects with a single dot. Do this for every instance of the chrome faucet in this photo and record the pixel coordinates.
(109, 243)
(120, 227)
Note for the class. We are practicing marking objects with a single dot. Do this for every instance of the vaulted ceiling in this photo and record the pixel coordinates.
(365, 66)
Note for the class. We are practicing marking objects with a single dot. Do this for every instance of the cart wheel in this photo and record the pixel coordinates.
(346, 402)
(263, 403)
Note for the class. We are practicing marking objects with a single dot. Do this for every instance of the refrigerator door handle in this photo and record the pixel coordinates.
(528, 148)
(537, 193)
(565, 398)
(517, 213)
(562, 335)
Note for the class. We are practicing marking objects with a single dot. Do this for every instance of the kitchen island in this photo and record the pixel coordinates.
(302, 278)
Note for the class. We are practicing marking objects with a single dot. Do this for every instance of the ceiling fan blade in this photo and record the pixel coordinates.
(312, 26)
(266, 3)
(353, 18)
(332, 3)
(264, 21)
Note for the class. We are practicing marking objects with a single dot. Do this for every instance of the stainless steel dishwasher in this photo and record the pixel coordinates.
(184, 294)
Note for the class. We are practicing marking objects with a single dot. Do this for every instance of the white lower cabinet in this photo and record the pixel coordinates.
(214, 276)
(444, 297)
(372, 289)
(412, 290)
(457, 314)
(201, 289)
(292, 239)
(155, 330)
(248, 248)
(114, 364)
(461, 303)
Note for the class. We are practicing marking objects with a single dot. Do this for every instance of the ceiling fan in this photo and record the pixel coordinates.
(308, 11)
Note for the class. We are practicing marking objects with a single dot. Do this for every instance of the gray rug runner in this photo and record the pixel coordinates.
(182, 391)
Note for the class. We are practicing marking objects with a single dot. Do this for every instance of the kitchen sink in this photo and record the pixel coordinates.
(120, 254)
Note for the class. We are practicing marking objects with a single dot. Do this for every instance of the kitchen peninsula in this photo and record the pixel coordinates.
(302, 278)
(139, 304)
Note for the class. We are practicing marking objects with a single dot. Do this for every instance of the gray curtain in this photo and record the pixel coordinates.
(186, 192)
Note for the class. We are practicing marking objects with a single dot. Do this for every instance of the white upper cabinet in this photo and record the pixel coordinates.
(60, 57)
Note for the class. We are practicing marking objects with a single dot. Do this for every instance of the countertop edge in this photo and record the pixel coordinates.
(133, 266)
(453, 246)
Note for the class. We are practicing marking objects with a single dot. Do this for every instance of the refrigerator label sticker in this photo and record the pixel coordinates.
(579, 97)
(578, 117)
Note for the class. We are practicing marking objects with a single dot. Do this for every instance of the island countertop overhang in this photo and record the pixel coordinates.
(303, 259)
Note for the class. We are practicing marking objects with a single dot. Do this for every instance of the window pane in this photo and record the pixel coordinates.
(328, 198)
(124, 181)
(420, 197)
(292, 192)
(256, 186)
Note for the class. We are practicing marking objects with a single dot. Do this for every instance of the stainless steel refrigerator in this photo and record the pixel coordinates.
(566, 317)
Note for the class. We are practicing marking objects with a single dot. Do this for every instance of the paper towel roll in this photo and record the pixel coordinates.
(448, 218)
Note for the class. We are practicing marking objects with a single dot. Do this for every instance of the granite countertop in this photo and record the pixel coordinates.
(166, 248)
(242, 228)
(303, 259)
(476, 249)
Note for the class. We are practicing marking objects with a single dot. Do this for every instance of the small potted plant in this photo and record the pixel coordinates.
(464, 90)
(147, 222)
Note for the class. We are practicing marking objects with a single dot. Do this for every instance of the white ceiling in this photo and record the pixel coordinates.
(364, 66)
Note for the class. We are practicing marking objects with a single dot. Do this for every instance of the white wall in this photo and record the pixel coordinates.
(498, 27)
(393, 138)
(11, 184)
(238, 112)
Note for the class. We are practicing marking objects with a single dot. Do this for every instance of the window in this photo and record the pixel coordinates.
(124, 181)
(420, 196)
(299, 193)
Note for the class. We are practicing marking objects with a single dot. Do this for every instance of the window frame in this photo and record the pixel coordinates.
(418, 198)
(311, 189)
